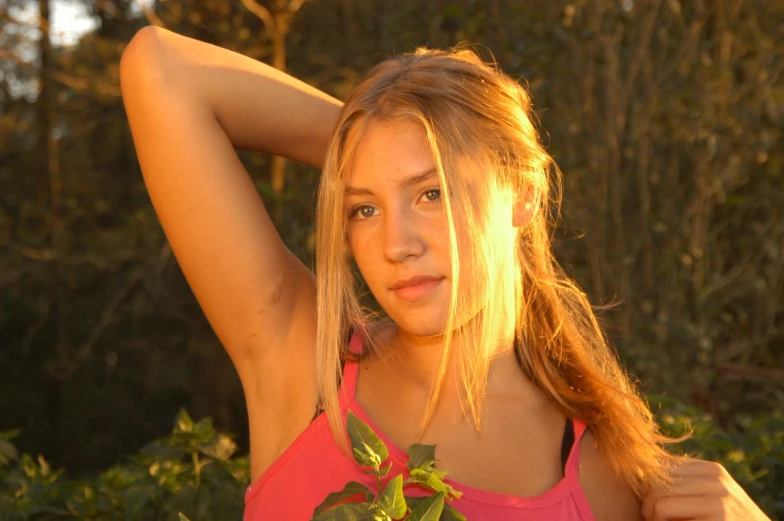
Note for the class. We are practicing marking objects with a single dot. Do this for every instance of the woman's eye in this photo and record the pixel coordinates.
(361, 212)
(433, 198)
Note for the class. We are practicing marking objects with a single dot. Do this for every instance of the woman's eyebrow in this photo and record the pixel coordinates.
(403, 184)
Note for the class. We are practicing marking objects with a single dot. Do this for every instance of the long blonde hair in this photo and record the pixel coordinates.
(478, 123)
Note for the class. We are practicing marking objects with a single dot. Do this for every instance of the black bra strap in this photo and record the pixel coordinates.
(319, 410)
(566, 443)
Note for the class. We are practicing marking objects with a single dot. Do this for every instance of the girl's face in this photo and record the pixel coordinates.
(396, 225)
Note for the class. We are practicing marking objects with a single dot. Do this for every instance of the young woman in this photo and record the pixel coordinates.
(435, 184)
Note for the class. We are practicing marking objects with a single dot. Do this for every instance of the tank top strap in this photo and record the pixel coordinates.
(355, 342)
(573, 471)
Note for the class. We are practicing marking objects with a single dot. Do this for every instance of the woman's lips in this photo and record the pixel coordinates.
(417, 291)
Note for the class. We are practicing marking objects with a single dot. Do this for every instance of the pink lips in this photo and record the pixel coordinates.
(416, 287)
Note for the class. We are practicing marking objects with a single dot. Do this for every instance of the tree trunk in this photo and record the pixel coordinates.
(49, 185)
(42, 185)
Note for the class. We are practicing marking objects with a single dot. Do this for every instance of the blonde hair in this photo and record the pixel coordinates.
(478, 123)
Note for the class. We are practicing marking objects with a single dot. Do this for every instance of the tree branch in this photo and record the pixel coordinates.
(152, 18)
(295, 5)
(82, 84)
(84, 350)
(262, 13)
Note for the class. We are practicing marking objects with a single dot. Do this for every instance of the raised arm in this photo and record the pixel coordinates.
(258, 107)
(189, 105)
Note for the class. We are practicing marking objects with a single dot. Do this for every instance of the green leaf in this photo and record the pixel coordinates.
(428, 509)
(427, 479)
(440, 474)
(450, 513)
(392, 501)
(46, 469)
(184, 421)
(352, 488)
(367, 458)
(367, 447)
(220, 447)
(421, 456)
(347, 512)
(183, 517)
(383, 471)
(204, 426)
(135, 499)
(9, 435)
(434, 481)
(32, 512)
(7, 452)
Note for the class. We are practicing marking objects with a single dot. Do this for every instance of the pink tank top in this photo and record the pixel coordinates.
(313, 466)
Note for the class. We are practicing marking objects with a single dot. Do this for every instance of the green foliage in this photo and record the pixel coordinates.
(189, 472)
(7, 449)
(192, 474)
(369, 450)
(390, 502)
(352, 488)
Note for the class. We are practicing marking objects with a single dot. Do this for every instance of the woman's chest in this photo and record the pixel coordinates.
(517, 452)
(294, 492)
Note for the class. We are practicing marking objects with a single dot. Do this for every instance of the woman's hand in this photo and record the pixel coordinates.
(702, 490)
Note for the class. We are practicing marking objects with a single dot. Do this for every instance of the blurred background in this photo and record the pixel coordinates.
(665, 116)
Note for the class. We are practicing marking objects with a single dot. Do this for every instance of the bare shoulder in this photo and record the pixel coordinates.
(609, 497)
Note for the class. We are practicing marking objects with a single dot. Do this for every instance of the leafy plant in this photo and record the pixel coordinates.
(389, 503)
(192, 470)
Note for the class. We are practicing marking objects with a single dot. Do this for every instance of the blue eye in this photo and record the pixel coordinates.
(357, 213)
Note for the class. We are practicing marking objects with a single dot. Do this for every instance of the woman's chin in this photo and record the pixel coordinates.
(421, 326)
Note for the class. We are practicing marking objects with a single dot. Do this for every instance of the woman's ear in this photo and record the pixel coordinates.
(524, 210)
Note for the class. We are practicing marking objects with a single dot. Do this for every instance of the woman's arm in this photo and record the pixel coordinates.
(609, 497)
(189, 104)
(258, 107)
(703, 491)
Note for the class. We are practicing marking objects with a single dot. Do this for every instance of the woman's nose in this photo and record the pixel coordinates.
(402, 237)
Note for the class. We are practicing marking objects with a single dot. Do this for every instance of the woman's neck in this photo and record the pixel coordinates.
(416, 359)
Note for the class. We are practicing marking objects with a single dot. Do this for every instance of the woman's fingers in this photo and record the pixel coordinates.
(691, 486)
(695, 486)
(673, 508)
(701, 490)
(695, 467)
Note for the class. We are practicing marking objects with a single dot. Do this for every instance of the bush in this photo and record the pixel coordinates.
(190, 471)
(193, 471)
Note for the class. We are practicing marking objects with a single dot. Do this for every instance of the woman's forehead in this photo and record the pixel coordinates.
(387, 151)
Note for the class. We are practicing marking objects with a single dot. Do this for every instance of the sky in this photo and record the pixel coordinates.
(70, 20)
